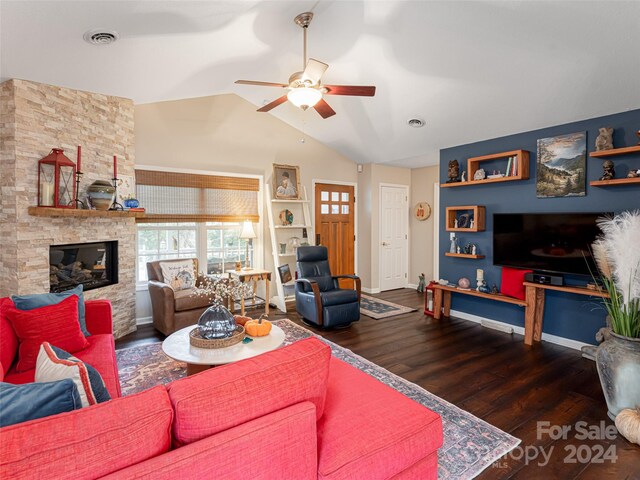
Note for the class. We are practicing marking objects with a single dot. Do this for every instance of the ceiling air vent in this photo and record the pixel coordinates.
(415, 122)
(100, 36)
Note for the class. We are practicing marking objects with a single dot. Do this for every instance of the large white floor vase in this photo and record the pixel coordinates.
(618, 362)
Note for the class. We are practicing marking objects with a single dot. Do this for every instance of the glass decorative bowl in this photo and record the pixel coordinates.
(216, 322)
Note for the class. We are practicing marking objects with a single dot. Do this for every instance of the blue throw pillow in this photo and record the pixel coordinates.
(37, 300)
(20, 403)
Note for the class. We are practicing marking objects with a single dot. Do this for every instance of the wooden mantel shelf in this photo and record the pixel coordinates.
(73, 212)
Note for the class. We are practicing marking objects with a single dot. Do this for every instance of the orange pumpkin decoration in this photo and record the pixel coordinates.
(258, 328)
(240, 320)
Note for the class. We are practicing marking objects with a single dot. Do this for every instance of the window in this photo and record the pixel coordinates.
(219, 249)
(225, 248)
(203, 219)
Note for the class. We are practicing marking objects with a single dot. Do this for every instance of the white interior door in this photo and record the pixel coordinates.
(394, 236)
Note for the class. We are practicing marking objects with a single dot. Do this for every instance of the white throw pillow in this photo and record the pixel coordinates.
(179, 275)
(55, 364)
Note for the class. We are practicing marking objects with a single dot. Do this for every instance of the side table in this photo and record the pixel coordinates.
(253, 275)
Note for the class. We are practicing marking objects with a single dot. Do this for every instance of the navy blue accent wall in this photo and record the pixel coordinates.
(571, 316)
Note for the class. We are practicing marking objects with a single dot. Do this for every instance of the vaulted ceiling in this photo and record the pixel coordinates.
(471, 70)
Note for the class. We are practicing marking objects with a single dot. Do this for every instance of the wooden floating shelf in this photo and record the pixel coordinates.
(78, 213)
(615, 181)
(615, 151)
(478, 218)
(463, 255)
(482, 182)
(473, 164)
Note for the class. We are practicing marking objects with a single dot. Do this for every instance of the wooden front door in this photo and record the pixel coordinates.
(335, 222)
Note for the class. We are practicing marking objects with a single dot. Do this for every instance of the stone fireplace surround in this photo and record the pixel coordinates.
(34, 118)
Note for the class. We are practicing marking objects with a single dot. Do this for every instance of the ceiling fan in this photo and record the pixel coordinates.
(305, 88)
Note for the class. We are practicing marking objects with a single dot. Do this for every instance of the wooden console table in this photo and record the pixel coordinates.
(534, 310)
(253, 275)
(533, 304)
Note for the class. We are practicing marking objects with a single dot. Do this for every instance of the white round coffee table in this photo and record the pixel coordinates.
(177, 346)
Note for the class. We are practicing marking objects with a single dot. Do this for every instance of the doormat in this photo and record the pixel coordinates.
(470, 444)
(379, 309)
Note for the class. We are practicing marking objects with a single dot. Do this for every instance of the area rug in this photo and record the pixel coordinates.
(470, 444)
(379, 309)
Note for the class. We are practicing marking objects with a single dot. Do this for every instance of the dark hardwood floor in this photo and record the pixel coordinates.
(496, 377)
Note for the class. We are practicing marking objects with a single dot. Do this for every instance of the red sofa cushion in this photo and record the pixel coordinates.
(8, 338)
(512, 282)
(369, 427)
(237, 393)
(91, 442)
(281, 445)
(56, 324)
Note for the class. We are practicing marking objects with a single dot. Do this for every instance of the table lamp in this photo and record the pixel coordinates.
(247, 234)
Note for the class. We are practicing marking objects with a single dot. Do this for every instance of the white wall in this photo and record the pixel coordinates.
(422, 233)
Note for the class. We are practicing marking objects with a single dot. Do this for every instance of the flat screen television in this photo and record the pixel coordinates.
(546, 242)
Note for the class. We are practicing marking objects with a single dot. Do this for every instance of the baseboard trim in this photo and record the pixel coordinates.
(370, 290)
(144, 320)
(412, 285)
(547, 337)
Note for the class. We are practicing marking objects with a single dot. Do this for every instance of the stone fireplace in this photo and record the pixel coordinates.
(34, 118)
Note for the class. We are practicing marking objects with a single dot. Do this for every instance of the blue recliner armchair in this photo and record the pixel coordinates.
(319, 298)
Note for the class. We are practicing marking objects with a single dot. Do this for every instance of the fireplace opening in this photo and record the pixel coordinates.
(93, 265)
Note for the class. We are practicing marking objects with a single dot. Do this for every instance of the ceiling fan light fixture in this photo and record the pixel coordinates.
(304, 97)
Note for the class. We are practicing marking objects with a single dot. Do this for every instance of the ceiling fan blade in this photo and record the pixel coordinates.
(263, 84)
(274, 104)
(314, 71)
(324, 109)
(355, 90)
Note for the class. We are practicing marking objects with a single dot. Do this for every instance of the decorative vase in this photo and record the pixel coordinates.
(101, 194)
(618, 362)
(216, 322)
(131, 203)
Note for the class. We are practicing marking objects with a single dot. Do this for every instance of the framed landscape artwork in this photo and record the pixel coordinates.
(286, 182)
(561, 166)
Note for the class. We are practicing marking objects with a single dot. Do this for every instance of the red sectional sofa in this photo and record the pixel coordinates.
(294, 413)
(100, 354)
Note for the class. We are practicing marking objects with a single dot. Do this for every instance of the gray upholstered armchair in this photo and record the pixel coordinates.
(319, 298)
(173, 310)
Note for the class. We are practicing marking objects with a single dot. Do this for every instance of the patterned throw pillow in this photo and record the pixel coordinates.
(179, 275)
(55, 364)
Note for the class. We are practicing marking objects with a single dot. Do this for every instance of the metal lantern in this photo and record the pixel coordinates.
(56, 181)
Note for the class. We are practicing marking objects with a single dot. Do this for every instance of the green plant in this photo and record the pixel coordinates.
(617, 256)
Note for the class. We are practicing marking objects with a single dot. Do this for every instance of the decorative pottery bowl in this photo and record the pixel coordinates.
(101, 194)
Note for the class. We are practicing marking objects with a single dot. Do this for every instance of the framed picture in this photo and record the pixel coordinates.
(286, 182)
(561, 166)
(285, 273)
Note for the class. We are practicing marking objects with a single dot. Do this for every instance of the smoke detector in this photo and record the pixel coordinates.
(416, 122)
(100, 36)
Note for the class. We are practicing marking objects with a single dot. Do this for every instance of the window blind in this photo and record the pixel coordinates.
(183, 197)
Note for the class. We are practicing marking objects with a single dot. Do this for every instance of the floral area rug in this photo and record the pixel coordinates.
(470, 444)
(379, 309)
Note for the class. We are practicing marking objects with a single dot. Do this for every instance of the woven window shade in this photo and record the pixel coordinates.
(184, 197)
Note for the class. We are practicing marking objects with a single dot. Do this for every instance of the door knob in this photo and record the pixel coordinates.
(385, 244)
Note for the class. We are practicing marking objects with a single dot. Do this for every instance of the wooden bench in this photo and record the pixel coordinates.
(442, 299)
(533, 304)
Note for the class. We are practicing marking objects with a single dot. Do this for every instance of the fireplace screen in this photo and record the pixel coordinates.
(93, 265)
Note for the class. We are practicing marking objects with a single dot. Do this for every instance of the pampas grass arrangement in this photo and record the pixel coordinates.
(617, 255)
